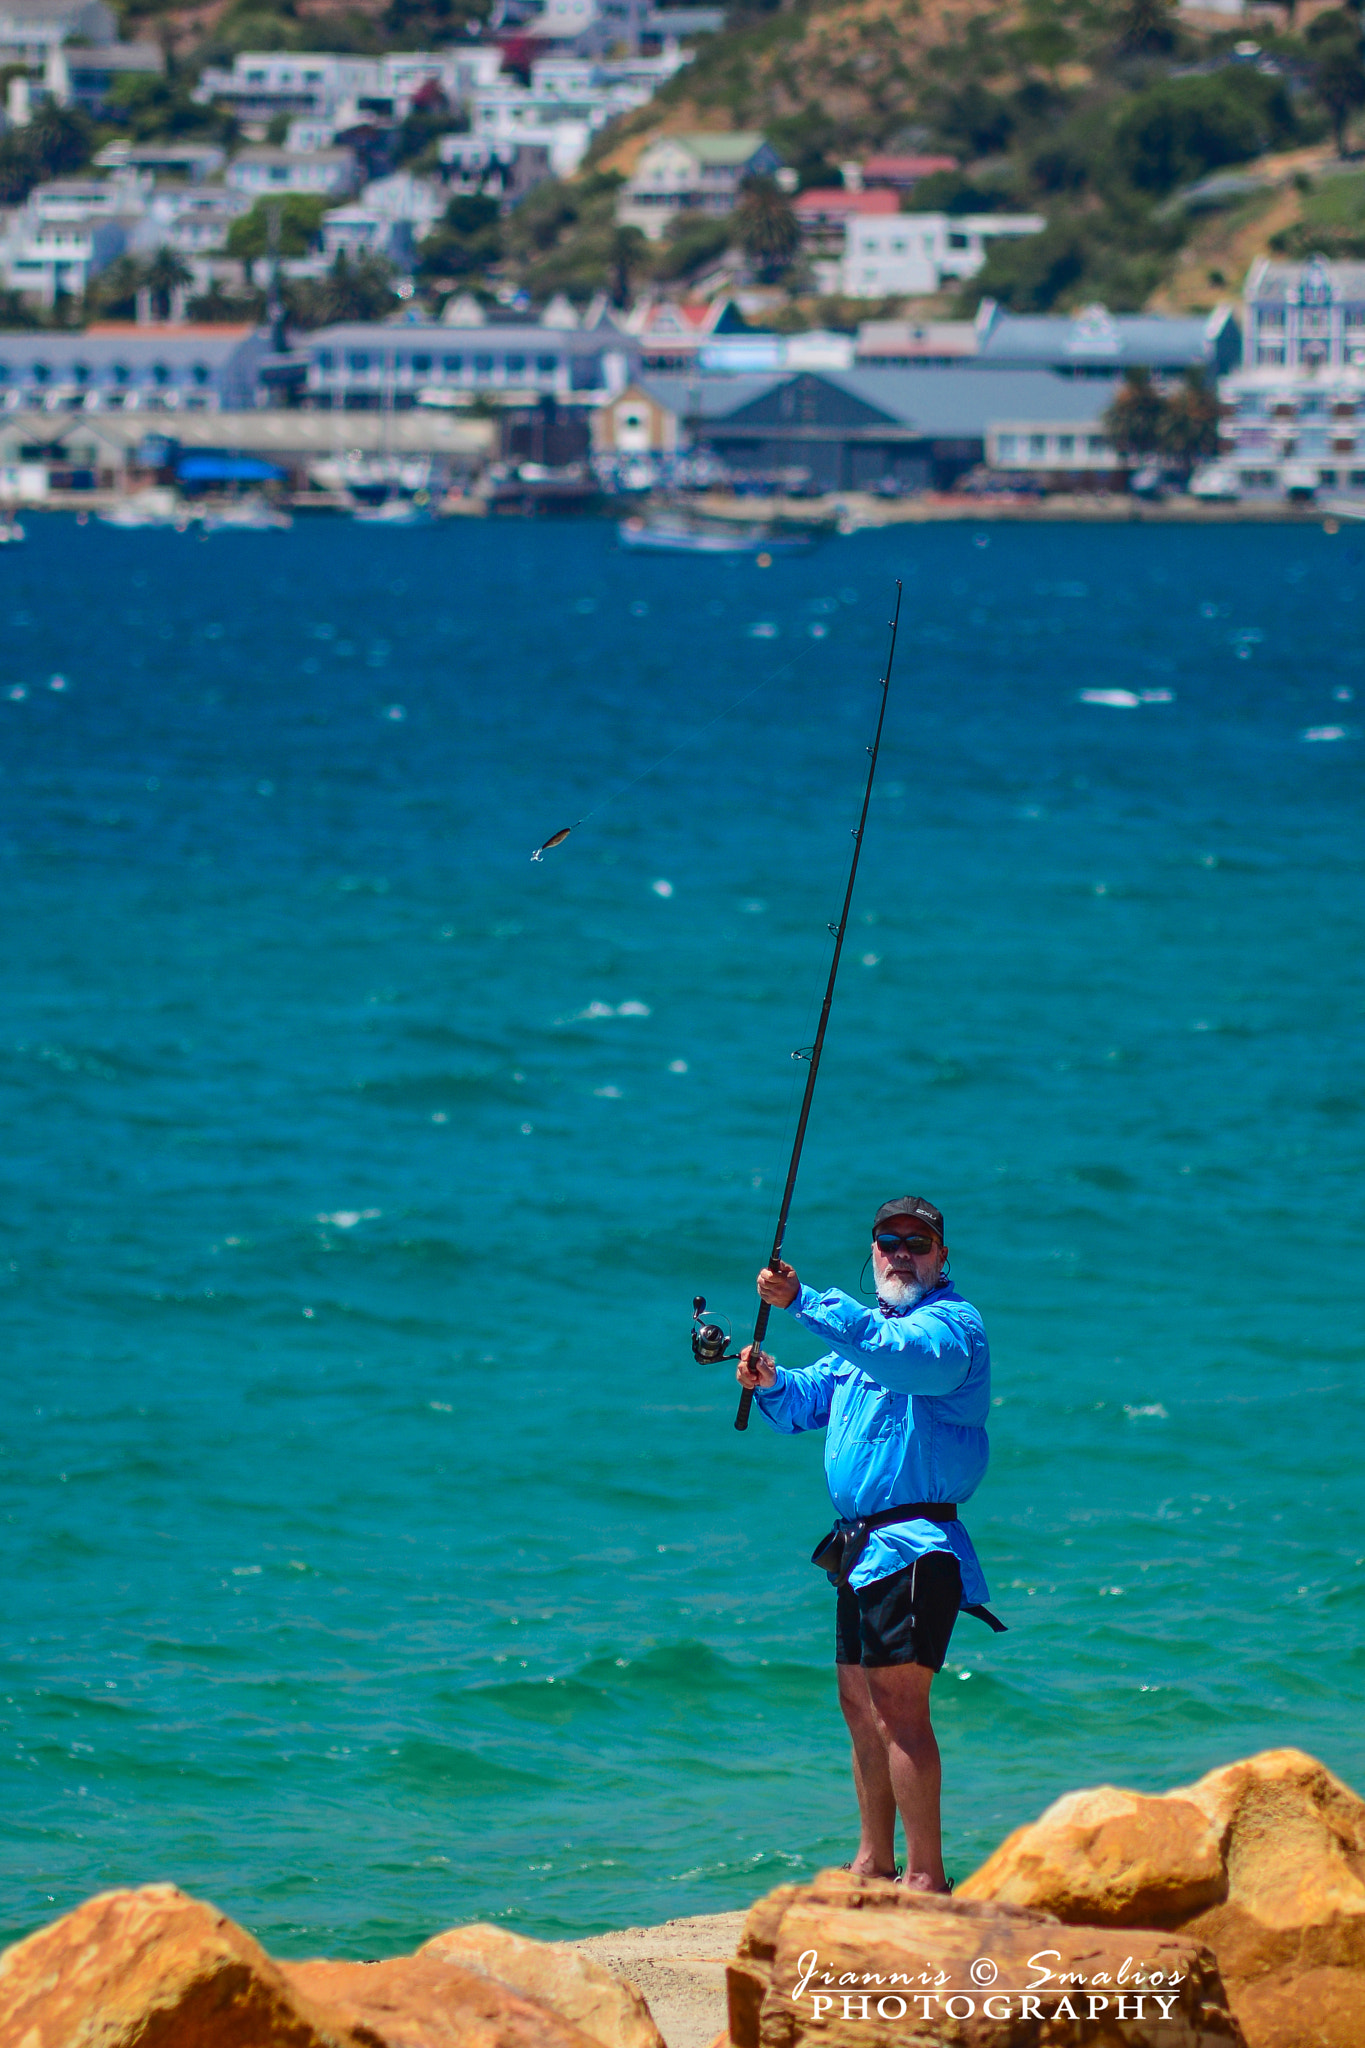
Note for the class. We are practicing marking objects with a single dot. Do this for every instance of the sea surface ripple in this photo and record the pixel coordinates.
(377, 1557)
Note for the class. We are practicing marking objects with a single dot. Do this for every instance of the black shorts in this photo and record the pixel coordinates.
(904, 1619)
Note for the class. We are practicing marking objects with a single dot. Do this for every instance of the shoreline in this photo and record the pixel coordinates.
(678, 1966)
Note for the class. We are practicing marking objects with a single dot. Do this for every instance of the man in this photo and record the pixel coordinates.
(903, 1396)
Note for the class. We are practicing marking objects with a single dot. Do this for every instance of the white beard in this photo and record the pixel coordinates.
(898, 1292)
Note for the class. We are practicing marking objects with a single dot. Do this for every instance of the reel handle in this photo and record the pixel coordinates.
(746, 1394)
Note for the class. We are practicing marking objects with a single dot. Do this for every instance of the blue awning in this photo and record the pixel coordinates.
(226, 469)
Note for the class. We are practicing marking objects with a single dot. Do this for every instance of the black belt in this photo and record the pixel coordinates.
(838, 1553)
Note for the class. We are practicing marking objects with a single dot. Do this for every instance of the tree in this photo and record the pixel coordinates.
(1339, 85)
(165, 275)
(1143, 28)
(1188, 431)
(300, 215)
(690, 240)
(353, 289)
(629, 252)
(765, 226)
(1135, 418)
(55, 141)
(153, 109)
(112, 293)
(467, 240)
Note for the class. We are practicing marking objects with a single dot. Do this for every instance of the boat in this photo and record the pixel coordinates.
(11, 532)
(394, 511)
(157, 505)
(246, 515)
(677, 534)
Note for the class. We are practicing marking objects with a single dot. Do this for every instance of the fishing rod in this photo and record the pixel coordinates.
(709, 1340)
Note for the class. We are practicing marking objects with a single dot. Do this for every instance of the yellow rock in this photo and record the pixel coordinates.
(610, 2010)
(850, 1962)
(1284, 1912)
(153, 1967)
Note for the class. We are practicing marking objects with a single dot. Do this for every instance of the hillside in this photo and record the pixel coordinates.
(1099, 116)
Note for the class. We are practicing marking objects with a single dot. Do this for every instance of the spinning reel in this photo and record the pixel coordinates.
(710, 1341)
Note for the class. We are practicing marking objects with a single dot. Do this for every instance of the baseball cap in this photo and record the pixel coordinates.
(910, 1205)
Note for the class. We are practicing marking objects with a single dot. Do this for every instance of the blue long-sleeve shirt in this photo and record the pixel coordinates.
(903, 1401)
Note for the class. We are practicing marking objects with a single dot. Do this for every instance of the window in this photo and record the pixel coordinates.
(357, 361)
(325, 359)
(483, 366)
(421, 364)
(1037, 446)
(1007, 448)
(516, 366)
(4, 373)
(160, 374)
(957, 240)
(41, 373)
(546, 365)
(452, 365)
(121, 373)
(80, 373)
(1066, 447)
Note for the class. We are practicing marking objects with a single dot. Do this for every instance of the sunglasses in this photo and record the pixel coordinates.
(886, 1242)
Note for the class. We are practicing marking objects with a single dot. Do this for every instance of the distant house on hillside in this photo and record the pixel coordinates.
(824, 212)
(682, 174)
(912, 255)
(29, 29)
(263, 171)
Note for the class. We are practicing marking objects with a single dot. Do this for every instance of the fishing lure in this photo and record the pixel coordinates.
(555, 839)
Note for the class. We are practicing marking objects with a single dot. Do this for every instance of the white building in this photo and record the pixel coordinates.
(910, 255)
(345, 90)
(1304, 315)
(67, 231)
(561, 110)
(29, 29)
(682, 174)
(505, 171)
(261, 171)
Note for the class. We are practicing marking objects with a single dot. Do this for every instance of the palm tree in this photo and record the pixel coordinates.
(766, 227)
(163, 277)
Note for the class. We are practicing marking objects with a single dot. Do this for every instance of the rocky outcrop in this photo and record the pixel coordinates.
(421, 2001)
(852, 1962)
(1263, 1860)
(155, 1969)
(608, 2009)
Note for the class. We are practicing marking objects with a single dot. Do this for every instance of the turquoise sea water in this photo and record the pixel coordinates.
(375, 1556)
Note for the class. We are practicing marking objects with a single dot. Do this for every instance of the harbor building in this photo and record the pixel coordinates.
(903, 429)
(118, 368)
(375, 366)
(1305, 316)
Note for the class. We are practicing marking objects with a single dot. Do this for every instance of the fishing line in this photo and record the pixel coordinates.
(558, 838)
(709, 1340)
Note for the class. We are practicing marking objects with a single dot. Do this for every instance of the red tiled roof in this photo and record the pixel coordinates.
(835, 200)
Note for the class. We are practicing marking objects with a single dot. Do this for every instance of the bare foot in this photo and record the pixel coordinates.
(862, 1866)
(921, 1881)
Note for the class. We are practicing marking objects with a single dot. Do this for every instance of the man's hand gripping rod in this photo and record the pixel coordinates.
(746, 1398)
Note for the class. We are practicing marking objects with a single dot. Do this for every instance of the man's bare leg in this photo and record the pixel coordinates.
(876, 1855)
(899, 1695)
